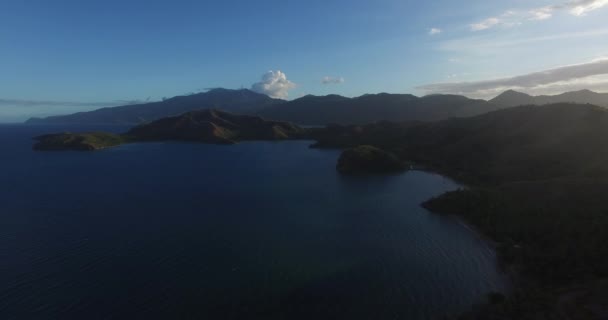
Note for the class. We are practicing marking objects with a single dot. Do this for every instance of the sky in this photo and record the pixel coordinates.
(64, 56)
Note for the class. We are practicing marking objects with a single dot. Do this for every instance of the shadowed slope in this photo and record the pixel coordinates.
(538, 178)
(228, 100)
(313, 110)
(208, 126)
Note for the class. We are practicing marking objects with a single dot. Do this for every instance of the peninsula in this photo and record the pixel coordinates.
(206, 126)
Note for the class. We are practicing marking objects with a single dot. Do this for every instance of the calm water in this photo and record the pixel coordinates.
(253, 231)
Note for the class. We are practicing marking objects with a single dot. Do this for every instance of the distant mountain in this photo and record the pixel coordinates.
(308, 110)
(321, 110)
(513, 98)
(240, 101)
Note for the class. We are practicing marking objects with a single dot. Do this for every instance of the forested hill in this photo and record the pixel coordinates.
(537, 177)
(511, 98)
(322, 110)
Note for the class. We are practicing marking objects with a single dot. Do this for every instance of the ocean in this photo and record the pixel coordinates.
(257, 230)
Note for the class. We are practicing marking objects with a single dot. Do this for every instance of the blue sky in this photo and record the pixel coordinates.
(64, 56)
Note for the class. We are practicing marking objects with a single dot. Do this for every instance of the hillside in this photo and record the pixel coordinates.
(88, 141)
(240, 101)
(315, 110)
(537, 179)
(206, 126)
(512, 144)
(214, 126)
(513, 98)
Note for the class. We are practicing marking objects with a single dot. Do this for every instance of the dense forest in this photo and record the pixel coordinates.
(537, 179)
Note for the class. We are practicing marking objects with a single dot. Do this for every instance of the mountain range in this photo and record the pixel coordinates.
(511, 98)
(315, 110)
(321, 110)
(238, 101)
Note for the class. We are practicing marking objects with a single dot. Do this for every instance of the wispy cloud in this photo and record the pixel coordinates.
(332, 80)
(480, 43)
(434, 31)
(589, 75)
(511, 18)
(543, 13)
(485, 24)
(582, 7)
(274, 84)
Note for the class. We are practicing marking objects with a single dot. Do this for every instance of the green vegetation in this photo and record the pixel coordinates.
(368, 159)
(537, 180)
(214, 126)
(206, 126)
(78, 141)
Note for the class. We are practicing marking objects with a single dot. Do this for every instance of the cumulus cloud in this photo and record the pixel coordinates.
(434, 31)
(332, 80)
(589, 75)
(511, 18)
(274, 84)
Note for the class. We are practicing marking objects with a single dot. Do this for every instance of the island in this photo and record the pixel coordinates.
(368, 159)
(78, 141)
(205, 126)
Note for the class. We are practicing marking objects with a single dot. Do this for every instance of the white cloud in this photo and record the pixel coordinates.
(332, 80)
(274, 84)
(486, 24)
(434, 31)
(582, 7)
(589, 75)
(543, 13)
(511, 18)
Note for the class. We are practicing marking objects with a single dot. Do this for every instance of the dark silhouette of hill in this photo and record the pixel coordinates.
(206, 126)
(520, 143)
(537, 178)
(214, 126)
(322, 110)
(308, 110)
(240, 101)
(511, 98)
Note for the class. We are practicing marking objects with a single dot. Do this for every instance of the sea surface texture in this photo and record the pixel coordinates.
(259, 230)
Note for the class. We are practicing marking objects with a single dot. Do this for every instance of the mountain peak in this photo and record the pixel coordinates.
(512, 92)
(513, 98)
(586, 91)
